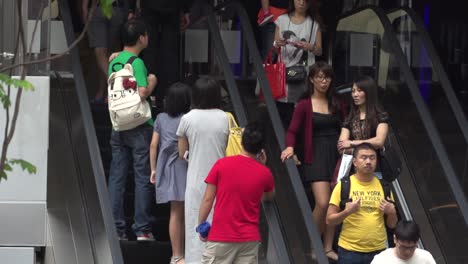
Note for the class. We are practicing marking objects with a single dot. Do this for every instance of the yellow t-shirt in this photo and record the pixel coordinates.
(363, 231)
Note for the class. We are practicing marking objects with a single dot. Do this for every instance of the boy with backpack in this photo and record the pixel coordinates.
(129, 86)
(365, 213)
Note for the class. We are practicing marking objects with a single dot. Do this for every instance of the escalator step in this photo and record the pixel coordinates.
(146, 252)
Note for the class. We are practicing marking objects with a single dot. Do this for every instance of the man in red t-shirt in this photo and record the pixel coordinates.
(239, 183)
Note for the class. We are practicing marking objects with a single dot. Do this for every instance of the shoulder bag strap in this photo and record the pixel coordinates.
(231, 121)
(345, 190)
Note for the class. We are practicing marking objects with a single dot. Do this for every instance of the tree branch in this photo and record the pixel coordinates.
(7, 138)
(80, 37)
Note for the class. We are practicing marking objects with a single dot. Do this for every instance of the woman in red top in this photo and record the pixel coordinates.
(317, 117)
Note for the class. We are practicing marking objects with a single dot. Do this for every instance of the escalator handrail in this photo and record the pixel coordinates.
(423, 111)
(274, 116)
(278, 128)
(437, 65)
(268, 207)
(93, 146)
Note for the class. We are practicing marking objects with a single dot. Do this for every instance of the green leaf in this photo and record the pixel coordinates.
(5, 100)
(106, 7)
(7, 167)
(22, 84)
(3, 176)
(26, 166)
(4, 78)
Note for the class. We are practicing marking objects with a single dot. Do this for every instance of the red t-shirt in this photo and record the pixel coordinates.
(240, 183)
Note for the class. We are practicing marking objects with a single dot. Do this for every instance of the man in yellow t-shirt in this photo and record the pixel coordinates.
(363, 232)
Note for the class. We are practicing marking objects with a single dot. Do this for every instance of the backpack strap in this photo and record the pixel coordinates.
(387, 188)
(129, 61)
(345, 190)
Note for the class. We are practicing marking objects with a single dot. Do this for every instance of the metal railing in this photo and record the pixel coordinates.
(279, 132)
(423, 111)
(91, 140)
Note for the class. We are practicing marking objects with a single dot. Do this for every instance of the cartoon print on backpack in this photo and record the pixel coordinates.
(126, 109)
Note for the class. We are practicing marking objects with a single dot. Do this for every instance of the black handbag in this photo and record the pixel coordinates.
(296, 73)
(390, 163)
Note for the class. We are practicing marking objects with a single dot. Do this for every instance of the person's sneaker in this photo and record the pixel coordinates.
(264, 18)
(145, 237)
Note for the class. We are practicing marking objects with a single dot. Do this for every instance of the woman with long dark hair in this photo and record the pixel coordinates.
(318, 117)
(203, 134)
(298, 35)
(367, 122)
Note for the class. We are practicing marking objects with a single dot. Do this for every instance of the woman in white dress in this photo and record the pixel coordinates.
(203, 132)
(299, 37)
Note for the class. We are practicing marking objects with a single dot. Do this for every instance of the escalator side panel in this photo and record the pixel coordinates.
(84, 145)
(273, 224)
(426, 157)
(67, 225)
(445, 108)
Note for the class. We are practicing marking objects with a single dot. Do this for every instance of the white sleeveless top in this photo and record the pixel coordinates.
(296, 32)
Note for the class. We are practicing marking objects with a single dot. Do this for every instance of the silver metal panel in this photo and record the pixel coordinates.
(17, 255)
(8, 25)
(77, 232)
(69, 232)
(362, 50)
(22, 224)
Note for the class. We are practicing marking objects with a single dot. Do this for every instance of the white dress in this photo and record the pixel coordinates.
(207, 133)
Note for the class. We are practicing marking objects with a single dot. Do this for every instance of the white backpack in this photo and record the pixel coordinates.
(126, 108)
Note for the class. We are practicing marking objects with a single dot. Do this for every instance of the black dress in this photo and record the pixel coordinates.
(327, 128)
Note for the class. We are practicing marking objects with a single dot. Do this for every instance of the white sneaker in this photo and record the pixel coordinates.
(145, 237)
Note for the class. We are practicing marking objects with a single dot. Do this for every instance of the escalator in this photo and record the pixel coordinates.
(435, 86)
(288, 218)
(427, 126)
(81, 226)
(428, 189)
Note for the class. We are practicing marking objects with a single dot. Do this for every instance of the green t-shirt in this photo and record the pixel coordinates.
(139, 70)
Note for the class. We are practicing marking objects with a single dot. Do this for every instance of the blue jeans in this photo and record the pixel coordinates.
(127, 145)
(352, 257)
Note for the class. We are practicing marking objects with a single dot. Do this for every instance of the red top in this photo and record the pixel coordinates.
(240, 183)
(302, 120)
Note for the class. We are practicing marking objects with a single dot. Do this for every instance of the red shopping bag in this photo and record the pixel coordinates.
(276, 76)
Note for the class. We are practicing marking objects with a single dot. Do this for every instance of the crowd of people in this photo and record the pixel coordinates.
(182, 153)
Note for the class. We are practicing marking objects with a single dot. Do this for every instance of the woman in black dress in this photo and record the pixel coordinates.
(317, 117)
